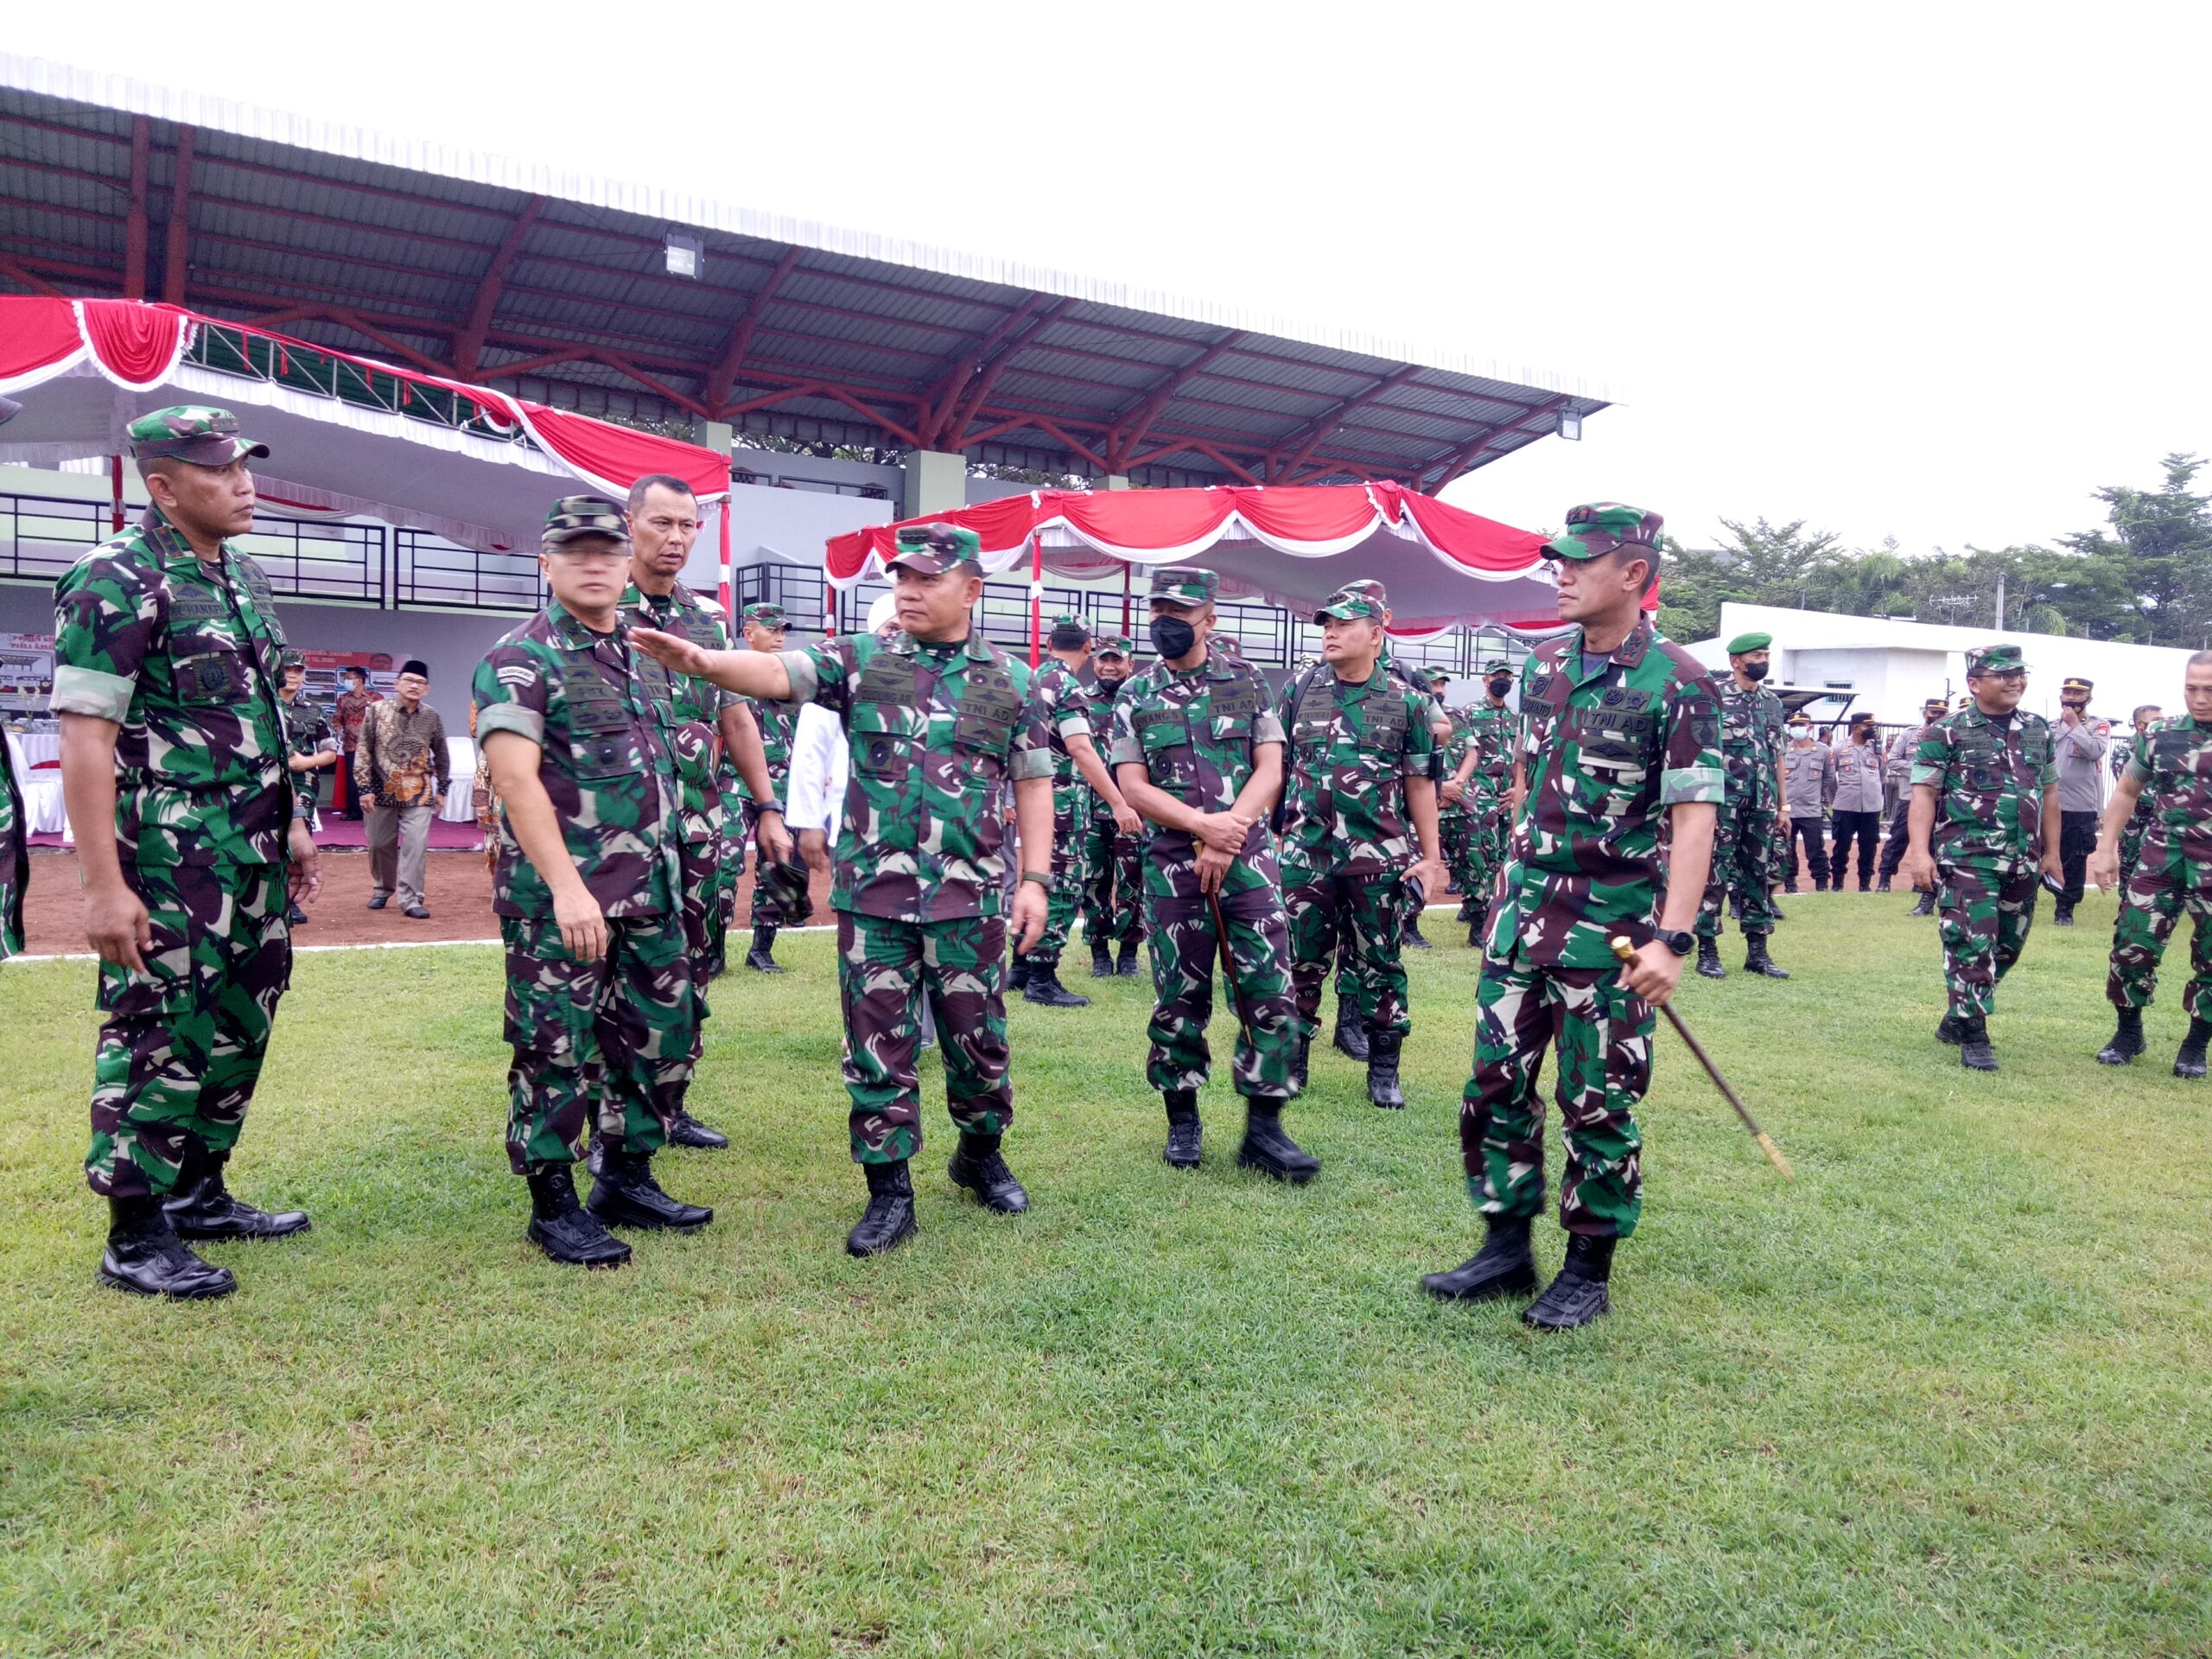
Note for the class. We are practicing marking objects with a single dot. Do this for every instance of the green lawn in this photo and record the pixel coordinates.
(1946, 1395)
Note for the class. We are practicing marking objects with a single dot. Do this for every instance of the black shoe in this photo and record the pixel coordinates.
(1126, 967)
(1466, 909)
(1579, 1294)
(1102, 962)
(1186, 1136)
(1951, 1029)
(1044, 989)
(2126, 1042)
(1756, 960)
(1350, 1035)
(378, 902)
(1792, 887)
(625, 1195)
(2190, 1061)
(888, 1221)
(295, 915)
(1017, 973)
(1976, 1051)
(1925, 908)
(145, 1256)
(1776, 911)
(563, 1229)
(201, 1207)
(1301, 1054)
(1478, 928)
(1882, 886)
(978, 1166)
(761, 958)
(1708, 959)
(1505, 1265)
(1383, 1088)
(689, 1131)
(1411, 938)
(1269, 1150)
(2062, 916)
(415, 913)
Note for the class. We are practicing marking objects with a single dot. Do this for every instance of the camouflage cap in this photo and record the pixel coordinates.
(1186, 584)
(1437, 676)
(575, 518)
(1996, 660)
(192, 432)
(767, 615)
(1596, 528)
(1743, 643)
(1496, 666)
(930, 549)
(1346, 606)
(1117, 644)
(291, 660)
(1066, 625)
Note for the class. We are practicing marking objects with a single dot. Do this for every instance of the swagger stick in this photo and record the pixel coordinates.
(1626, 952)
(1229, 965)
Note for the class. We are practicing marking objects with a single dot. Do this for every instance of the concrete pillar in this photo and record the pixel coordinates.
(935, 482)
(1115, 481)
(717, 435)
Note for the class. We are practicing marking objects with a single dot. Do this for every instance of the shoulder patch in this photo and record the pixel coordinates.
(517, 675)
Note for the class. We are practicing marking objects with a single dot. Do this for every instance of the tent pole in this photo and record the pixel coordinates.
(729, 586)
(115, 494)
(1126, 569)
(1036, 600)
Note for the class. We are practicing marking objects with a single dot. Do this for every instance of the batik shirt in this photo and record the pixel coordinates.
(1197, 734)
(1351, 747)
(182, 654)
(1988, 775)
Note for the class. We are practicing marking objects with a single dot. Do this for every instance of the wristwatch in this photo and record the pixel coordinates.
(1682, 944)
(1038, 877)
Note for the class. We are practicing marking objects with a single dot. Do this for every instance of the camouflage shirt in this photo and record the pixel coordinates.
(1195, 734)
(307, 731)
(779, 723)
(1989, 777)
(1351, 749)
(2172, 762)
(932, 731)
(1067, 708)
(1487, 730)
(1605, 753)
(1099, 704)
(691, 707)
(594, 708)
(183, 656)
(1751, 738)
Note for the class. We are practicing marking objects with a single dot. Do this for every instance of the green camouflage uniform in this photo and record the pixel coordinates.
(1608, 746)
(613, 1039)
(780, 899)
(932, 731)
(1067, 709)
(1450, 821)
(1746, 842)
(1113, 908)
(1488, 729)
(184, 656)
(1347, 836)
(2139, 822)
(14, 857)
(2172, 762)
(1989, 777)
(1196, 735)
(307, 731)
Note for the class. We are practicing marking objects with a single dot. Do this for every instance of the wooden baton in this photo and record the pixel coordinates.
(1626, 952)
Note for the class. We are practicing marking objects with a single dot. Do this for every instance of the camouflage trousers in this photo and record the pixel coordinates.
(2151, 903)
(1601, 1033)
(1482, 849)
(610, 1042)
(780, 895)
(2131, 846)
(1452, 829)
(1366, 914)
(701, 864)
(1984, 913)
(884, 971)
(1113, 889)
(1185, 951)
(180, 1051)
(1743, 866)
(1071, 816)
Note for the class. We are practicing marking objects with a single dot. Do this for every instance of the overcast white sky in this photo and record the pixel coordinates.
(1931, 270)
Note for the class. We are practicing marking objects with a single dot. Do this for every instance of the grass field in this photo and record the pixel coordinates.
(1948, 1395)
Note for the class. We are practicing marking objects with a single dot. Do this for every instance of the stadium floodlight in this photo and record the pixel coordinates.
(1570, 426)
(686, 254)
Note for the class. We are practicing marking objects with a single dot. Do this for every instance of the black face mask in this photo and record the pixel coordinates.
(1499, 687)
(1172, 637)
(1755, 671)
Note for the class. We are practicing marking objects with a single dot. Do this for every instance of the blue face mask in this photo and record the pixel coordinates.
(1172, 637)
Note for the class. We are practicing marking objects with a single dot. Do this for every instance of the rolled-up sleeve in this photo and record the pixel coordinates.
(511, 695)
(106, 616)
(1694, 773)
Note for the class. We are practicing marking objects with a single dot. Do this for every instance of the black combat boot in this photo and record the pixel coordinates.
(1951, 1029)
(145, 1256)
(1185, 1134)
(1882, 886)
(1478, 928)
(888, 1221)
(2127, 1041)
(1301, 1054)
(1017, 975)
(1756, 960)
(1350, 1035)
(1926, 906)
(1467, 908)
(295, 915)
(1708, 959)
(2062, 915)
(2188, 1062)
(977, 1165)
(1976, 1051)
(1579, 1294)
(201, 1207)
(625, 1195)
(1383, 1088)
(1043, 988)
(1269, 1150)
(1102, 960)
(563, 1229)
(689, 1131)
(1505, 1265)
(1411, 938)
(1126, 967)
(761, 958)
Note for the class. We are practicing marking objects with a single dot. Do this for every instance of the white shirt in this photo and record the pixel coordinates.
(815, 789)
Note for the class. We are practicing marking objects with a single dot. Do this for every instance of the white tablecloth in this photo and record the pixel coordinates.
(41, 785)
(460, 793)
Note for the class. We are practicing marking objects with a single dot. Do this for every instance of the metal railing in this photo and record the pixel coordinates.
(438, 575)
(224, 349)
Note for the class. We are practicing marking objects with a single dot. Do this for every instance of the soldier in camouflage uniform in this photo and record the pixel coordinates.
(1746, 850)
(779, 881)
(1199, 754)
(2168, 771)
(311, 750)
(701, 721)
(1483, 775)
(1984, 798)
(936, 717)
(1113, 908)
(14, 857)
(581, 735)
(2137, 826)
(167, 649)
(1619, 726)
(1358, 824)
(1906, 745)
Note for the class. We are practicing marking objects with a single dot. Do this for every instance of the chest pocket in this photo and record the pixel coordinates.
(700, 631)
(2175, 759)
(1231, 706)
(1315, 717)
(1385, 732)
(889, 679)
(211, 677)
(208, 663)
(1613, 741)
(988, 705)
(600, 741)
(1164, 736)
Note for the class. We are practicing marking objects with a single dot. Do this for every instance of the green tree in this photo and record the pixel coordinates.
(2159, 546)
